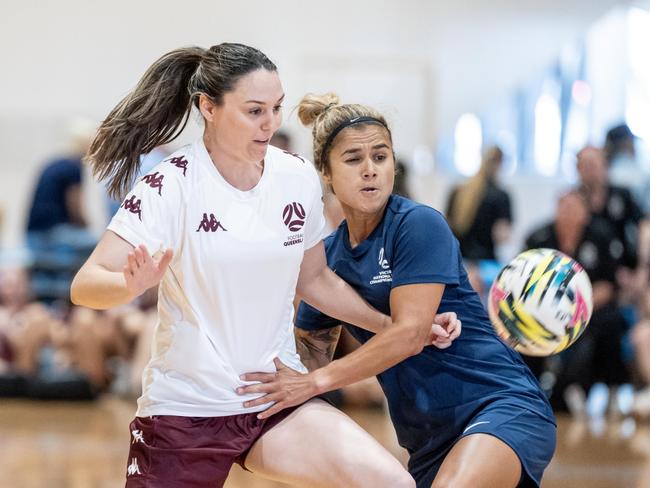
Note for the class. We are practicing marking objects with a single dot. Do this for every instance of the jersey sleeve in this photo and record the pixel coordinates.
(425, 250)
(150, 214)
(308, 318)
(315, 225)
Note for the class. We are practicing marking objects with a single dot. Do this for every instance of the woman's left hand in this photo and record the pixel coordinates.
(445, 329)
(286, 387)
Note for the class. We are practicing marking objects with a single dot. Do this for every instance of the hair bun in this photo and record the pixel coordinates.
(312, 106)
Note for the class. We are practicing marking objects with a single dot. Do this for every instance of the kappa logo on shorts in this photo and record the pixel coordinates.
(133, 468)
(210, 224)
(154, 180)
(137, 437)
(179, 162)
(133, 205)
(293, 216)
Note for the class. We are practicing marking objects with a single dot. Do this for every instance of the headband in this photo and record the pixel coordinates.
(348, 123)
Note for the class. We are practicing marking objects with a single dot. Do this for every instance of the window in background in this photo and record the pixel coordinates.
(468, 142)
(548, 129)
(500, 127)
(577, 127)
(575, 106)
(637, 103)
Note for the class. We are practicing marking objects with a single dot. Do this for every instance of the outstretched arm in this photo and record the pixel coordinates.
(324, 290)
(413, 308)
(116, 273)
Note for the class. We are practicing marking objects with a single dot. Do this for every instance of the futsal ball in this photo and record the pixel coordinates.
(541, 302)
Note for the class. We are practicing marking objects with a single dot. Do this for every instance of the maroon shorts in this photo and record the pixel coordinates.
(172, 451)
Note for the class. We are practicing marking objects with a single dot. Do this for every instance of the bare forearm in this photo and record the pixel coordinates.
(334, 297)
(96, 287)
(381, 352)
(316, 348)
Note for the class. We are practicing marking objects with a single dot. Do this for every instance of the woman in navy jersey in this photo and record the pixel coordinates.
(471, 415)
(228, 227)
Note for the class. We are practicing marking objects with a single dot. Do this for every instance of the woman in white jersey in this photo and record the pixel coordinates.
(234, 226)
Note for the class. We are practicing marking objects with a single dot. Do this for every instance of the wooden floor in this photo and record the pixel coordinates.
(68, 445)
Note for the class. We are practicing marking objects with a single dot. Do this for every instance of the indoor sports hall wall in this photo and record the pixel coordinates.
(422, 62)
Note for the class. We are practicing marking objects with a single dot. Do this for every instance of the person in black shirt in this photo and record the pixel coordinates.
(479, 211)
(596, 356)
(612, 205)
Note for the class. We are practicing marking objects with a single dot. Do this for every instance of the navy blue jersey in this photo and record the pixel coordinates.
(432, 396)
(49, 203)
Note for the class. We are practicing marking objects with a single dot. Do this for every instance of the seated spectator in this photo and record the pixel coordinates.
(640, 335)
(613, 206)
(57, 233)
(596, 356)
(46, 354)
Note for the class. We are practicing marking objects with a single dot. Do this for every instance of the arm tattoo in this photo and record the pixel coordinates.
(316, 347)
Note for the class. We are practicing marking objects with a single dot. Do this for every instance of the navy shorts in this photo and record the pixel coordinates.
(531, 436)
(173, 451)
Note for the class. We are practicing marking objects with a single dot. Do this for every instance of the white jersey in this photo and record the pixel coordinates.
(225, 304)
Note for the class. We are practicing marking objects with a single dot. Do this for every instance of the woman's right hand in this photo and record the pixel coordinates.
(142, 271)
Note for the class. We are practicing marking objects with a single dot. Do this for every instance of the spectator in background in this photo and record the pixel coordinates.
(35, 343)
(57, 234)
(57, 199)
(613, 206)
(596, 356)
(46, 355)
(624, 169)
(640, 336)
(479, 211)
(401, 179)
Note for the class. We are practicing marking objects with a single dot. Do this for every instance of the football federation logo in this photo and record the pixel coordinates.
(293, 216)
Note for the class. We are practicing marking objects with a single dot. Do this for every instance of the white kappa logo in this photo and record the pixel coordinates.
(133, 467)
(137, 436)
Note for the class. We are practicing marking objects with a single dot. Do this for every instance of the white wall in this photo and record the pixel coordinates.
(423, 62)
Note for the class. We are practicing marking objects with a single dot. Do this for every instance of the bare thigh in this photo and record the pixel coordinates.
(479, 461)
(319, 446)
